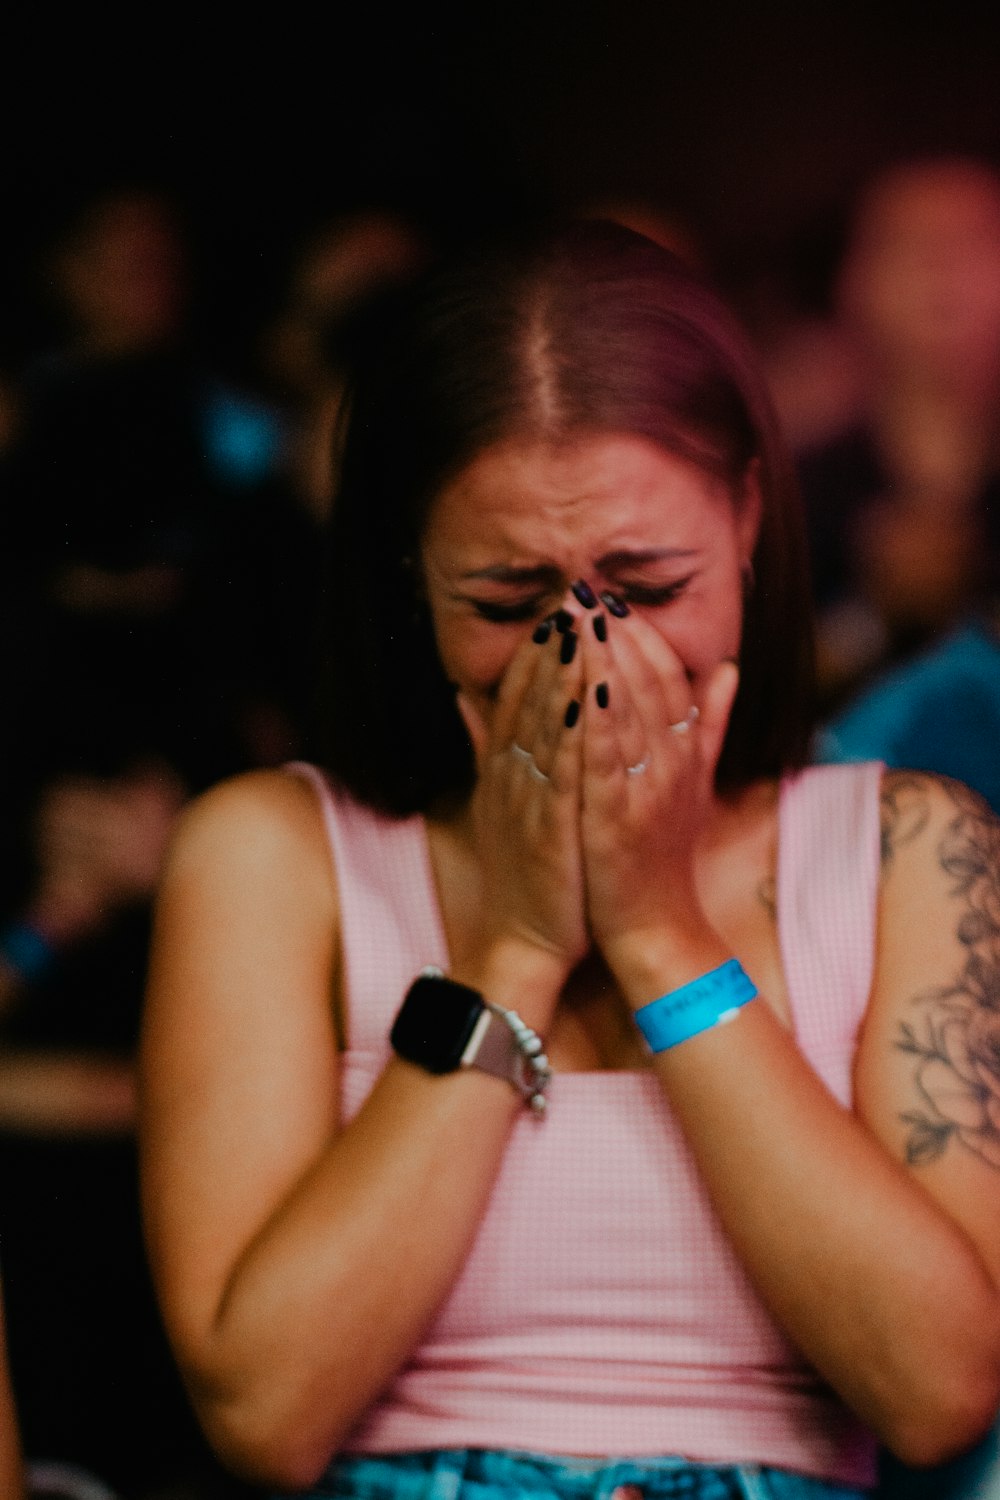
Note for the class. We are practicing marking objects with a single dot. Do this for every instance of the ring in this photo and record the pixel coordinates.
(683, 725)
(521, 753)
(637, 769)
(534, 770)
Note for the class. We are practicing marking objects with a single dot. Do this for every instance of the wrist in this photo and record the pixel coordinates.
(516, 975)
(650, 963)
(703, 1004)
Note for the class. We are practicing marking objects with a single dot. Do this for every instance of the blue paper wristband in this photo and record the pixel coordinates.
(706, 1002)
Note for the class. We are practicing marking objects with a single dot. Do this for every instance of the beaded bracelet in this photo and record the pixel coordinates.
(708, 1001)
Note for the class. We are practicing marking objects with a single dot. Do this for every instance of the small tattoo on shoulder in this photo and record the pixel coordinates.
(767, 896)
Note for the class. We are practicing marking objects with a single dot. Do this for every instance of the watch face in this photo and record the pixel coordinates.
(435, 1023)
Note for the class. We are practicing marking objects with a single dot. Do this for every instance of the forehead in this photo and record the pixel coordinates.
(594, 489)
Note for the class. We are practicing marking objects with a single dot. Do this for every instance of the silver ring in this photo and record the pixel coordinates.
(521, 753)
(683, 725)
(534, 770)
(637, 769)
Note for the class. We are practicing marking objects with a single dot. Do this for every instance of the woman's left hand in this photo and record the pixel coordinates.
(649, 764)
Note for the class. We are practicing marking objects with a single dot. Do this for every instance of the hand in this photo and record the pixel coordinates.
(639, 828)
(526, 808)
(100, 845)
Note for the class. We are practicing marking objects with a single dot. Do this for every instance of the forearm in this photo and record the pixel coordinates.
(885, 1296)
(332, 1294)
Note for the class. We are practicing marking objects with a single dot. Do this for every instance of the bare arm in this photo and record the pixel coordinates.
(883, 1271)
(298, 1263)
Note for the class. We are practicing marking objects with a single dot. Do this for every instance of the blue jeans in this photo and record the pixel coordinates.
(475, 1474)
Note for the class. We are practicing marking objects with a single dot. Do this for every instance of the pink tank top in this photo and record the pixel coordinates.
(601, 1309)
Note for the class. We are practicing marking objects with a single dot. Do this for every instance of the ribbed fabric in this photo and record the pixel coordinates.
(601, 1309)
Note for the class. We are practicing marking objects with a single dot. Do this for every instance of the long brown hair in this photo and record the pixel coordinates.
(581, 328)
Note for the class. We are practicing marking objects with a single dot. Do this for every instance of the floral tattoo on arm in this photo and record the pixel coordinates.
(955, 1039)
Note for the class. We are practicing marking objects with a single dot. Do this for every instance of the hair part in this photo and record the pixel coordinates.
(583, 329)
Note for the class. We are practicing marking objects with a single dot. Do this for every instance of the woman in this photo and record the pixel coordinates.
(718, 1252)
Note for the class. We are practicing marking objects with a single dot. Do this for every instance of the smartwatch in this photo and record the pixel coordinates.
(443, 1026)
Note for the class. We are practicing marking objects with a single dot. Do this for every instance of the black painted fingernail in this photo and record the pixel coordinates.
(567, 650)
(572, 713)
(602, 695)
(541, 632)
(615, 606)
(582, 590)
(563, 620)
(600, 627)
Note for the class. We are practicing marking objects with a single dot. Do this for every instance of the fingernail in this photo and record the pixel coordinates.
(600, 627)
(581, 588)
(572, 713)
(563, 620)
(541, 632)
(602, 695)
(615, 606)
(567, 650)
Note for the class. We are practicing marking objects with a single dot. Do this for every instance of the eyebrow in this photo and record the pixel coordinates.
(503, 573)
(544, 574)
(624, 557)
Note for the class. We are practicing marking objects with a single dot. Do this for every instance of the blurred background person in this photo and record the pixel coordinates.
(903, 503)
(938, 711)
(156, 583)
(336, 280)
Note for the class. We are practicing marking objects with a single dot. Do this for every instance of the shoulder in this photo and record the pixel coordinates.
(935, 823)
(259, 833)
(271, 807)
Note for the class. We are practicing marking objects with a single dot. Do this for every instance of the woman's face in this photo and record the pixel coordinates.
(508, 536)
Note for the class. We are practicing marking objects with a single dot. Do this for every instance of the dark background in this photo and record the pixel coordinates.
(755, 123)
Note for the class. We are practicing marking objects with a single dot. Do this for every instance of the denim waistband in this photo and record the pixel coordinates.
(478, 1474)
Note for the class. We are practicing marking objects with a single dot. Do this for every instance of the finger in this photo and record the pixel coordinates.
(716, 708)
(658, 686)
(519, 682)
(560, 734)
(611, 727)
(475, 728)
(550, 705)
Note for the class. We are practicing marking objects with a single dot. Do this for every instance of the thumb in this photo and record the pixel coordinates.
(474, 727)
(717, 705)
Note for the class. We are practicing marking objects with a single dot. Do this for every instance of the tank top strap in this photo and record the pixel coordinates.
(827, 895)
(390, 918)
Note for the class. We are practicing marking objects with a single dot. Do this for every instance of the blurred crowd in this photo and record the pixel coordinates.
(161, 541)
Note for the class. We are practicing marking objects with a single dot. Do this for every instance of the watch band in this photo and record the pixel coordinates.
(502, 1044)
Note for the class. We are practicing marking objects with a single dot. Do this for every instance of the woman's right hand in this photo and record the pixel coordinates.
(526, 810)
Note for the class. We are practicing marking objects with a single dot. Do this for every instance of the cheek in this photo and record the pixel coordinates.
(701, 636)
(474, 654)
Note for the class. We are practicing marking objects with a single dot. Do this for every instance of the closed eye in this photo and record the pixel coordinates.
(652, 595)
(508, 614)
